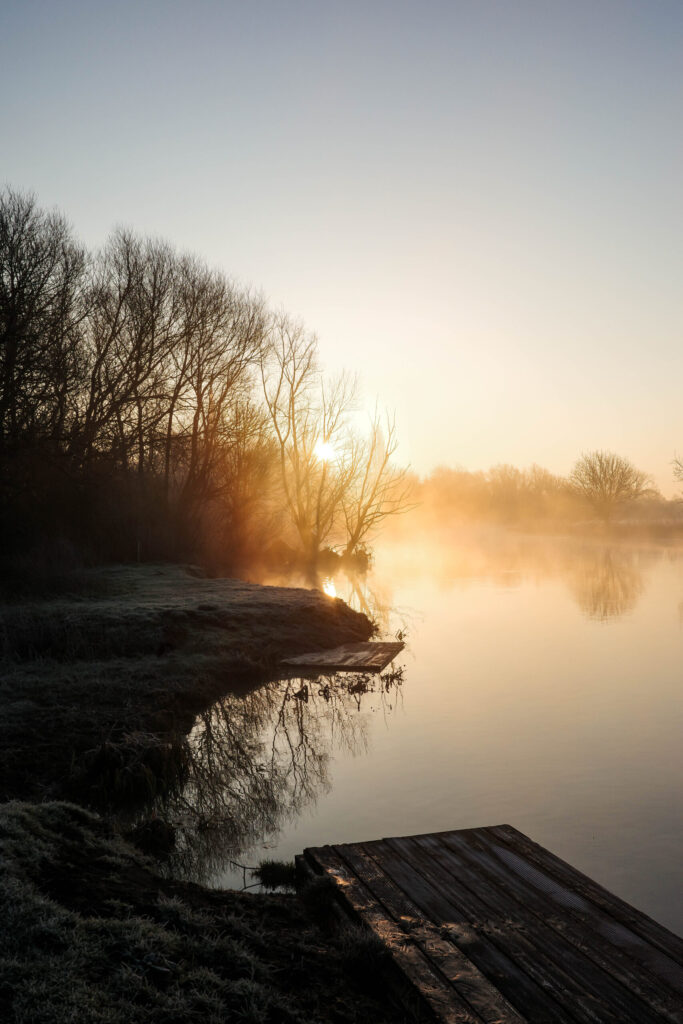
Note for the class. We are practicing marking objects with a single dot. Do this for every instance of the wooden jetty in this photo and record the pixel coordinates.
(484, 926)
(362, 657)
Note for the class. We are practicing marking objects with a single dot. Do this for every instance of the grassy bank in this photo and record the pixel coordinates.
(109, 677)
(99, 687)
(91, 933)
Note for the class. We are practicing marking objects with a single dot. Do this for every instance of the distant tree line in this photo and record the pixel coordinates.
(601, 486)
(151, 408)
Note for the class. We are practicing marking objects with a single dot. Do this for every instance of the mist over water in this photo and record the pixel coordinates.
(541, 687)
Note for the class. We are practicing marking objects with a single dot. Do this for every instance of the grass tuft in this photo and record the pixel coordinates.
(276, 874)
(363, 954)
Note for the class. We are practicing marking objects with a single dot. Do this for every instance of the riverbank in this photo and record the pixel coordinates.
(99, 688)
(100, 683)
(91, 933)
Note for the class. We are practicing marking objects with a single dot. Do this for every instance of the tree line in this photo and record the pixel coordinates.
(152, 408)
(601, 486)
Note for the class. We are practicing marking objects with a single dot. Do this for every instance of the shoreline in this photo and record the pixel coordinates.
(133, 658)
(99, 686)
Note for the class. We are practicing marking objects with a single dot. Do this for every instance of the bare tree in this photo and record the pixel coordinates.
(678, 469)
(222, 345)
(171, 348)
(41, 311)
(606, 480)
(131, 332)
(131, 373)
(308, 418)
(378, 489)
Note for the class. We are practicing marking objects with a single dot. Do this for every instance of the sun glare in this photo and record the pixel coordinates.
(329, 587)
(324, 451)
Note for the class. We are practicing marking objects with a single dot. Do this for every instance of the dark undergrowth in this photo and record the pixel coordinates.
(90, 933)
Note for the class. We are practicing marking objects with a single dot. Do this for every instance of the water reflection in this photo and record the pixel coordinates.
(366, 595)
(607, 584)
(367, 592)
(529, 711)
(255, 762)
(606, 580)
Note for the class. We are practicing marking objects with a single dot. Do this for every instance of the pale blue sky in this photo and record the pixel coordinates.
(476, 205)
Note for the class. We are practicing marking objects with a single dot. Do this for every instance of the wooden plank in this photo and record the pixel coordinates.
(655, 946)
(578, 927)
(491, 927)
(361, 657)
(463, 915)
(473, 986)
(429, 984)
(609, 996)
(541, 953)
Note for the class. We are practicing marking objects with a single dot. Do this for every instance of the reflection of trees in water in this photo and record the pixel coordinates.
(606, 579)
(367, 594)
(257, 761)
(607, 583)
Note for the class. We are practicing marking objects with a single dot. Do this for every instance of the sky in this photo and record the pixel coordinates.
(477, 206)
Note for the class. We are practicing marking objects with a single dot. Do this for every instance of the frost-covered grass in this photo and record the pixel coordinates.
(89, 933)
(110, 674)
(133, 611)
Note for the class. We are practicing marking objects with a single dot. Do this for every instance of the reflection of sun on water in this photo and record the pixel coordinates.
(324, 451)
(329, 587)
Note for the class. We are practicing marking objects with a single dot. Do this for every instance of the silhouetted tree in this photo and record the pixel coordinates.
(129, 421)
(378, 489)
(42, 273)
(308, 418)
(606, 480)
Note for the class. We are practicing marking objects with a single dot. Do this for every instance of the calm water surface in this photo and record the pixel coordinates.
(541, 687)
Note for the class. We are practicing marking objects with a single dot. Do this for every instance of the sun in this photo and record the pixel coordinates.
(325, 451)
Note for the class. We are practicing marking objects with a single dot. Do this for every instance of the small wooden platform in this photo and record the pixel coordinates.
(364, 657)
(487, 927)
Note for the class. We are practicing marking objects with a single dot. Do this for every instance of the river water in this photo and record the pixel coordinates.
(541, 686)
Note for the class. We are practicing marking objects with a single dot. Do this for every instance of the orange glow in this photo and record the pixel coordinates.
(329, 587)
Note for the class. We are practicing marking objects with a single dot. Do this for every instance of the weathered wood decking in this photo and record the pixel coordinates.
(361, 657)
(490, 928)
